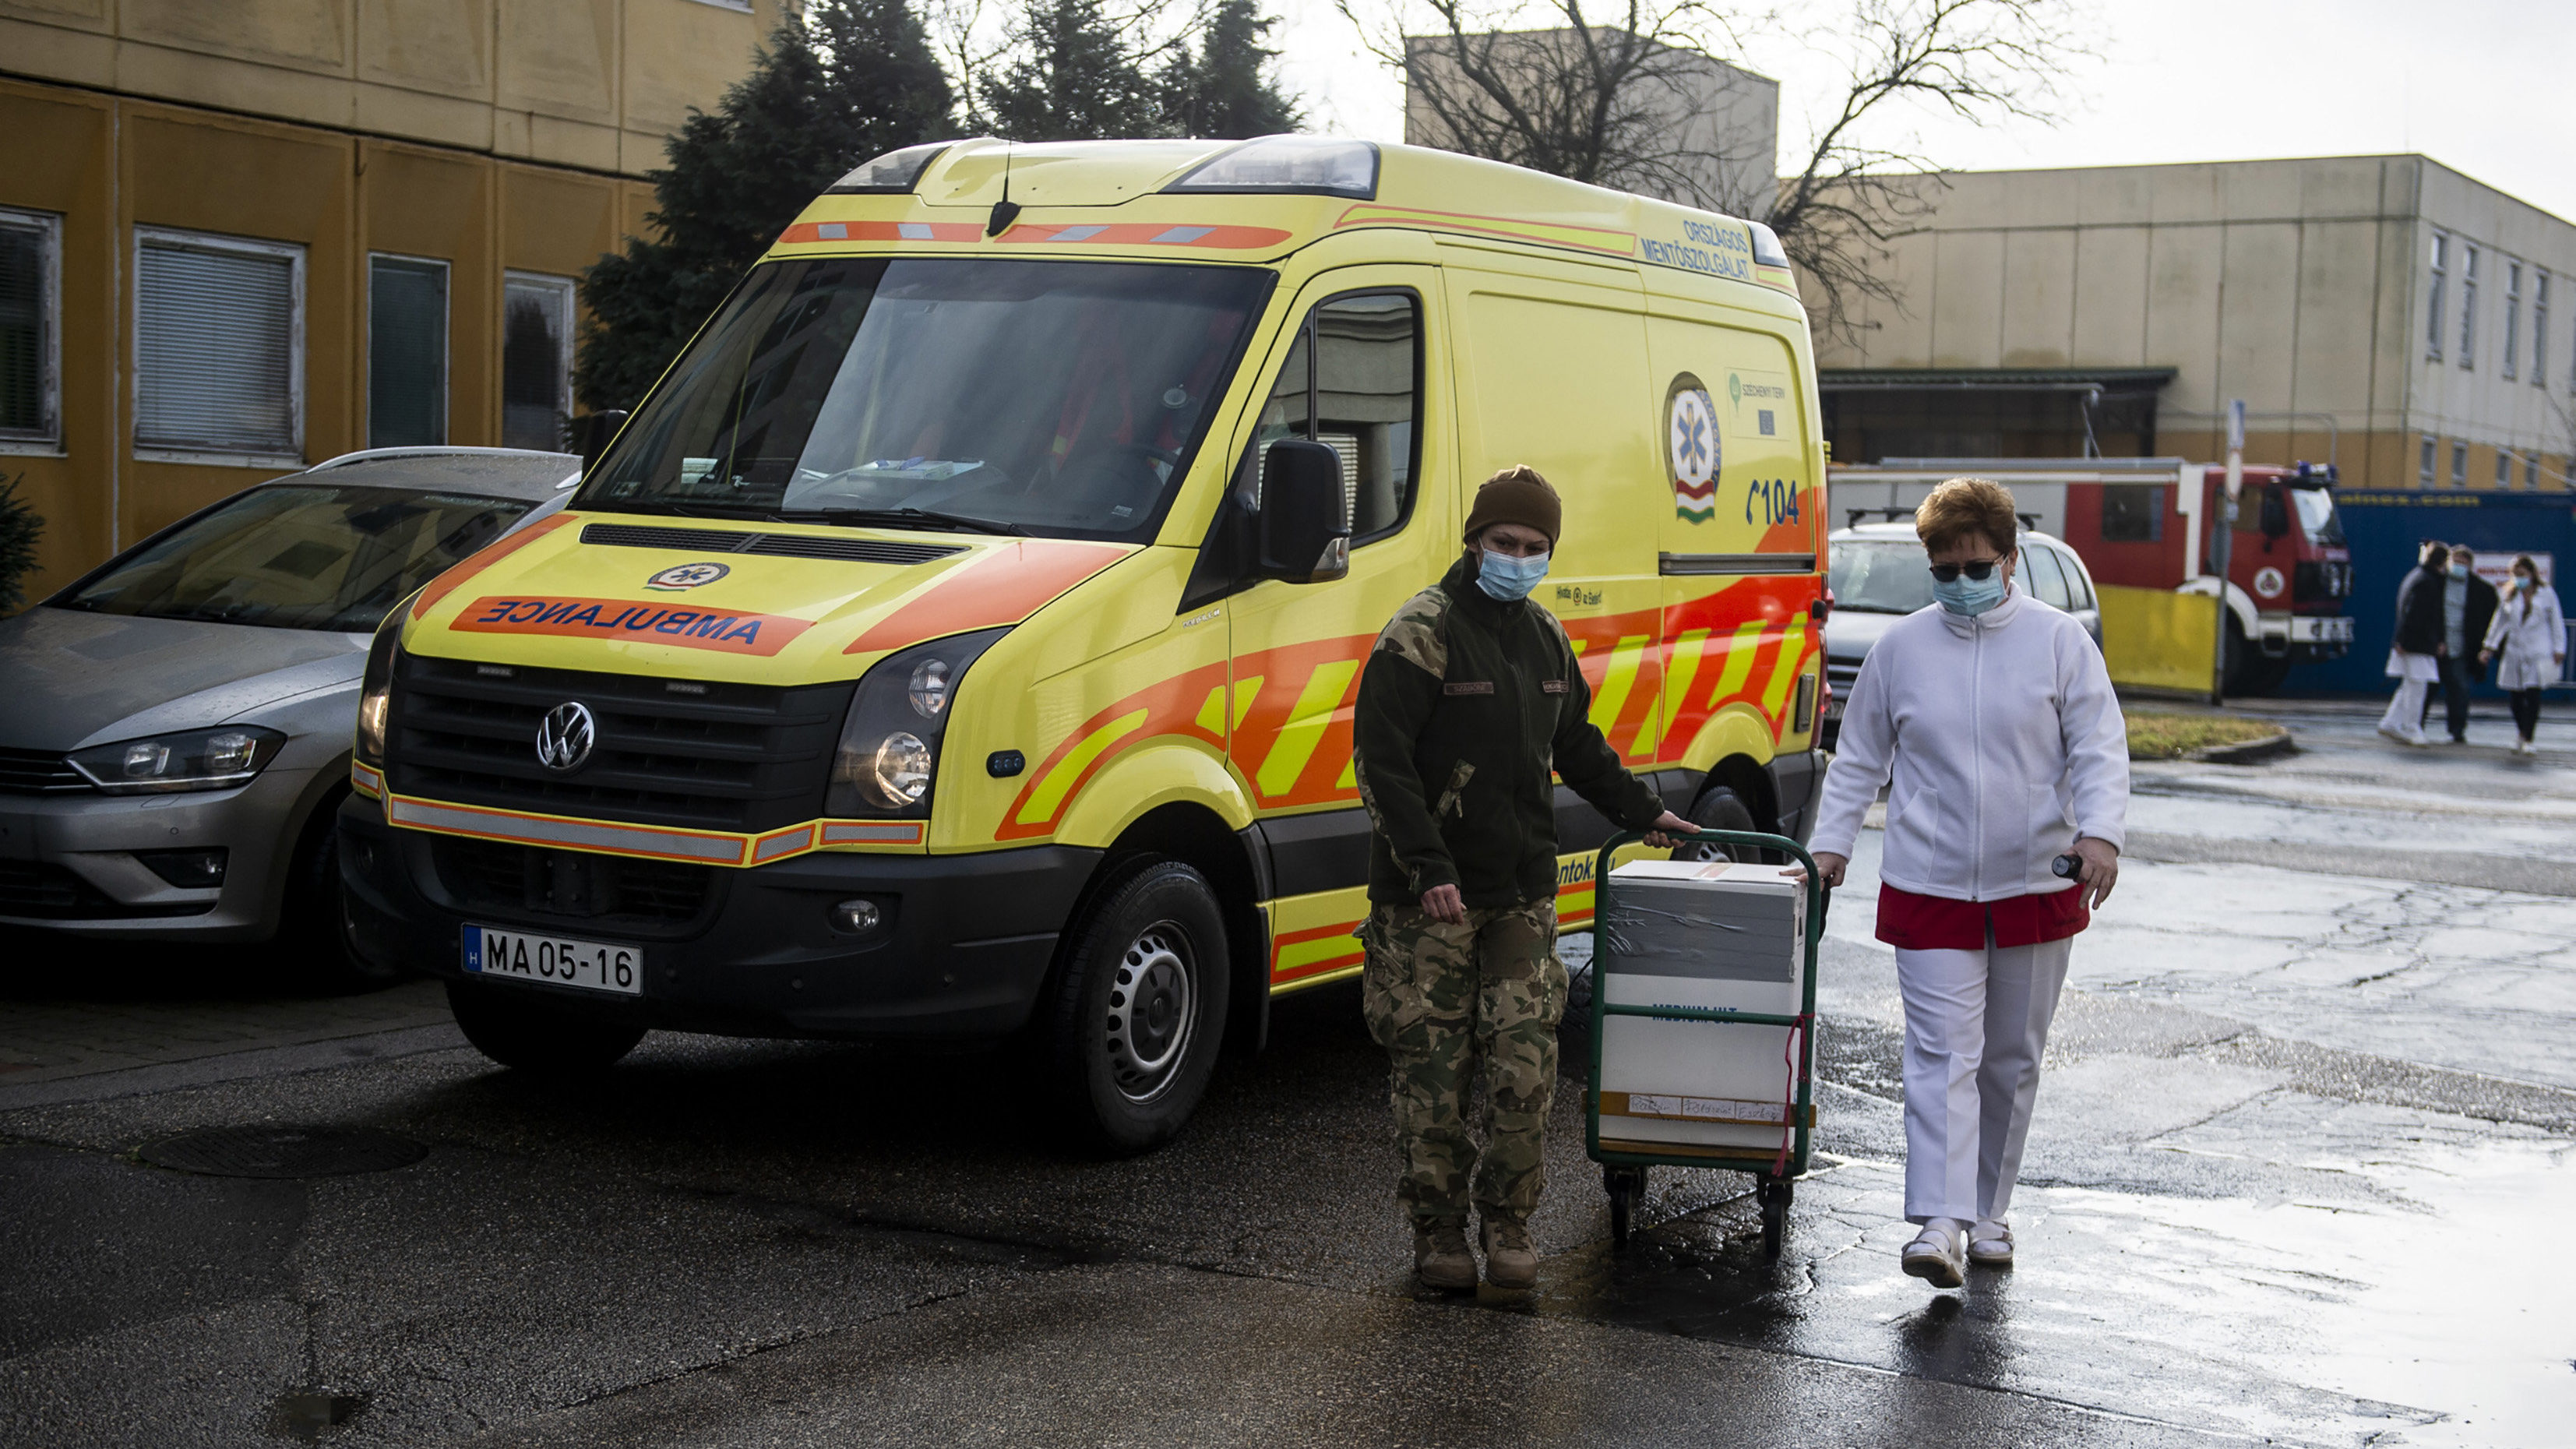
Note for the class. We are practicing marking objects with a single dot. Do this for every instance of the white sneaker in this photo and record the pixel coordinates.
(2525, 747)
(1935, 1256)
(2415, 737)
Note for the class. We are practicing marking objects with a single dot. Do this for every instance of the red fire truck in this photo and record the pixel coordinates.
(2146, 523)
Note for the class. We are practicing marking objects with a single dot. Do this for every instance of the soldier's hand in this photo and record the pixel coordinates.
(1669, 830)
(1443, 904)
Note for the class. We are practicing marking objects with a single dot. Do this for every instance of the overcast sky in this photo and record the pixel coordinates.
(2479, 85)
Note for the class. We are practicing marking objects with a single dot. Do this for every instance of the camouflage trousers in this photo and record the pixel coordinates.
(1442, 1000)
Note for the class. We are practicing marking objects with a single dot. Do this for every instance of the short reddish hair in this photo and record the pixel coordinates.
(1964, 506)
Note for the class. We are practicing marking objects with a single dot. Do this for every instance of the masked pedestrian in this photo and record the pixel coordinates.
(1989, 718)
(1469, 698)
(2531, 633)
(2415, 651)
(2468, 610)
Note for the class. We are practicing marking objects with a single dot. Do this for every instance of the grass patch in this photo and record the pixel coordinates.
(2159, 736)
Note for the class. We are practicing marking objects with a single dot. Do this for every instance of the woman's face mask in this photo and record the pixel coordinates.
(1506, 577)
(1970, 597)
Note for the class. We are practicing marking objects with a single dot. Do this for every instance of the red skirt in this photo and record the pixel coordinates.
(1937, 923)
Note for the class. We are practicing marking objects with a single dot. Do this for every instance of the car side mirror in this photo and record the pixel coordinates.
(1305, 517)
(589, 435)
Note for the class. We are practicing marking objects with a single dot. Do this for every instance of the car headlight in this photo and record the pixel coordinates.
(376, 689)
(213, 759)
(889, 750)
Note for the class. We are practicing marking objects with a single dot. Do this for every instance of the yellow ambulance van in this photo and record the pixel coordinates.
(961, 639)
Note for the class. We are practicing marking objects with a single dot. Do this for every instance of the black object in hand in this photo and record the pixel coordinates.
(2068, 867)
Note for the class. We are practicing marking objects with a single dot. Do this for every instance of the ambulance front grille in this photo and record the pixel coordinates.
(708, 756)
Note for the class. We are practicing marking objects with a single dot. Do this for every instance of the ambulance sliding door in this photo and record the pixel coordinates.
(1552, 374)
(1737, 537)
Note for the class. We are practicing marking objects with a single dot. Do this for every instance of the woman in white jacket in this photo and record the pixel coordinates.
(1990, 719)
(2532, 634)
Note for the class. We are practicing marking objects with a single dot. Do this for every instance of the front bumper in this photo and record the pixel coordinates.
(963, 947)
(2305, 636)
(67, 861)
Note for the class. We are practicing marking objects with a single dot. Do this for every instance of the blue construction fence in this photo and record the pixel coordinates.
(2386, 527)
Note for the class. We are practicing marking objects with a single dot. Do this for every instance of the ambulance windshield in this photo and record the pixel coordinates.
(1052, 398)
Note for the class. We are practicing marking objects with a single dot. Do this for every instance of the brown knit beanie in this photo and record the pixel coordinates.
(1517, 495)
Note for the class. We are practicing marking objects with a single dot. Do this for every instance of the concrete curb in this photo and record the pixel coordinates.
(2250, 752)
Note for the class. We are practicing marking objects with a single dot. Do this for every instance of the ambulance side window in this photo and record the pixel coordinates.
(1353, 382)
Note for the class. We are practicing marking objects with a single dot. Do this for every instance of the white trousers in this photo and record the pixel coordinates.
(2406, 711)
(1975, 1024)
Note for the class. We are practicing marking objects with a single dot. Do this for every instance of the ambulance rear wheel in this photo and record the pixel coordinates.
(1720, 809)
(1140, 1009)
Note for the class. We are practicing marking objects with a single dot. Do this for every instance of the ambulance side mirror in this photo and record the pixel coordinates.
(1305, 519)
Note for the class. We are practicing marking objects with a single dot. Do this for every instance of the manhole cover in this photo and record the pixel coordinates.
(284, 1151)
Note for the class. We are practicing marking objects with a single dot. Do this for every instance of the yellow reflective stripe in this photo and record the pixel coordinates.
(1212, 714)
(1349, 779)
(1307, 953)
(1048, 797)
(1305, 727)
(1740, 650)
(1245, 692)
(1677, 682)
(1793, 651)
(1617, 680)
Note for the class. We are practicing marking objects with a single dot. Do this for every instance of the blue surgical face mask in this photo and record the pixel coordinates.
(1970, 597)
(1507, 578)
(2459, 571)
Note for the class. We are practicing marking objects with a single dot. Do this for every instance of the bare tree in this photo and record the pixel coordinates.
(1643, 98)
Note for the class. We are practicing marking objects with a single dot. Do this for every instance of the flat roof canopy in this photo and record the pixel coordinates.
(1995, 379)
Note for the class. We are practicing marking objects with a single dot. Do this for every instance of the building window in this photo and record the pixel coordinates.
(2459, 465)
(406, 352)
(2424, 475)
(536, 361)
(2512, 318)
(2468, 306)
(218, 346)
(2504, 468)
(2539, 329)
(2433, 313)
(2531, 471)
(31, 309)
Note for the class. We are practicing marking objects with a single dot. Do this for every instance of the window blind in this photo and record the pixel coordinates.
(26, 349)
(215, 364)
(406, 353)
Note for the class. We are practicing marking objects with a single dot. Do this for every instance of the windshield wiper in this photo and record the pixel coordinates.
(897, 518)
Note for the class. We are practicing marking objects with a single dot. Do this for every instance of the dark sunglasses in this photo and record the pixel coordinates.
(1980, 570)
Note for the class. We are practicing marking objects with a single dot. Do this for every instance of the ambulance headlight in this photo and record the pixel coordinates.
(888, 755)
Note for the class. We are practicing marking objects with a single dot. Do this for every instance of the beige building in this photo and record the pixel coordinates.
(240, 237)
(2383, 312)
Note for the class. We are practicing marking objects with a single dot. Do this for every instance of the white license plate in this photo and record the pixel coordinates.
(590, 965)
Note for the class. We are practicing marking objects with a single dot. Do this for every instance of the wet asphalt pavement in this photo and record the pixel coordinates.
(2304, 1154)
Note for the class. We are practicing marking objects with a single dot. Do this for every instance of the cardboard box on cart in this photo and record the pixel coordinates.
(1713, 935)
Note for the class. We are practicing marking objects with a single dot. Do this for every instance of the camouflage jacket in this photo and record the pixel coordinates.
(1465, 706)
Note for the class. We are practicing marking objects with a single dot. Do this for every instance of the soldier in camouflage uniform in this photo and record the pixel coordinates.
(1471, 696)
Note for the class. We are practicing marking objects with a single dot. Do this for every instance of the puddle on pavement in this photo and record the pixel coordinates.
(2442, 1320)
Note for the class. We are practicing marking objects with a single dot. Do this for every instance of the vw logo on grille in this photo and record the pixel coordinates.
(564, 736)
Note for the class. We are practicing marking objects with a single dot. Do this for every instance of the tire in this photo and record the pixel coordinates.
(1139, 1011)
(523, 1030)
(1775, 1198)
(312, 924)
(1627, 1188)
(1721, 809)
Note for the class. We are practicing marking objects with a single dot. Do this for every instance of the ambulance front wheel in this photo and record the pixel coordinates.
(1140, 1008)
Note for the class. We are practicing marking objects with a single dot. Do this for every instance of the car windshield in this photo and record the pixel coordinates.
(2317, 515)
(299, 556)
(1879, 578)
(1057, 398)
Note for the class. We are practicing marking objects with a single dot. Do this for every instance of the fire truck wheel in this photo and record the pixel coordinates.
(1721, 809)
(1140, 1010)
(526, 1031)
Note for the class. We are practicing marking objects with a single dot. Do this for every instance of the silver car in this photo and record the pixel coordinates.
(1878, 575)
(175, 727)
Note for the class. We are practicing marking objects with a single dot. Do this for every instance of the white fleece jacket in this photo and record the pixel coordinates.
(2000, 741)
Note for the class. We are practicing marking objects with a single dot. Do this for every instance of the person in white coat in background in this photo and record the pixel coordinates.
(2531, 633)
(1989, 717)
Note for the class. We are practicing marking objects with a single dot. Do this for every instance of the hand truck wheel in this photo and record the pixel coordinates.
(1775, 1196)
(1627, 1187)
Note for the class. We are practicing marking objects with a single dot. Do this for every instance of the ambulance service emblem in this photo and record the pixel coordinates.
(1691, 448)
(686, 576)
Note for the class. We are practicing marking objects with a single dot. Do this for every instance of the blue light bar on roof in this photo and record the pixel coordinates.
(1292, 165)
(893, 173)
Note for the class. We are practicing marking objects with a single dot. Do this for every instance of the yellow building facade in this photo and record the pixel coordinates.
(237, 239)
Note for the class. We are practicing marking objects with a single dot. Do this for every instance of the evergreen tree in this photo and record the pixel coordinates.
(1076, 79)
(20, 528)
(1224, 92)
(856, 80)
